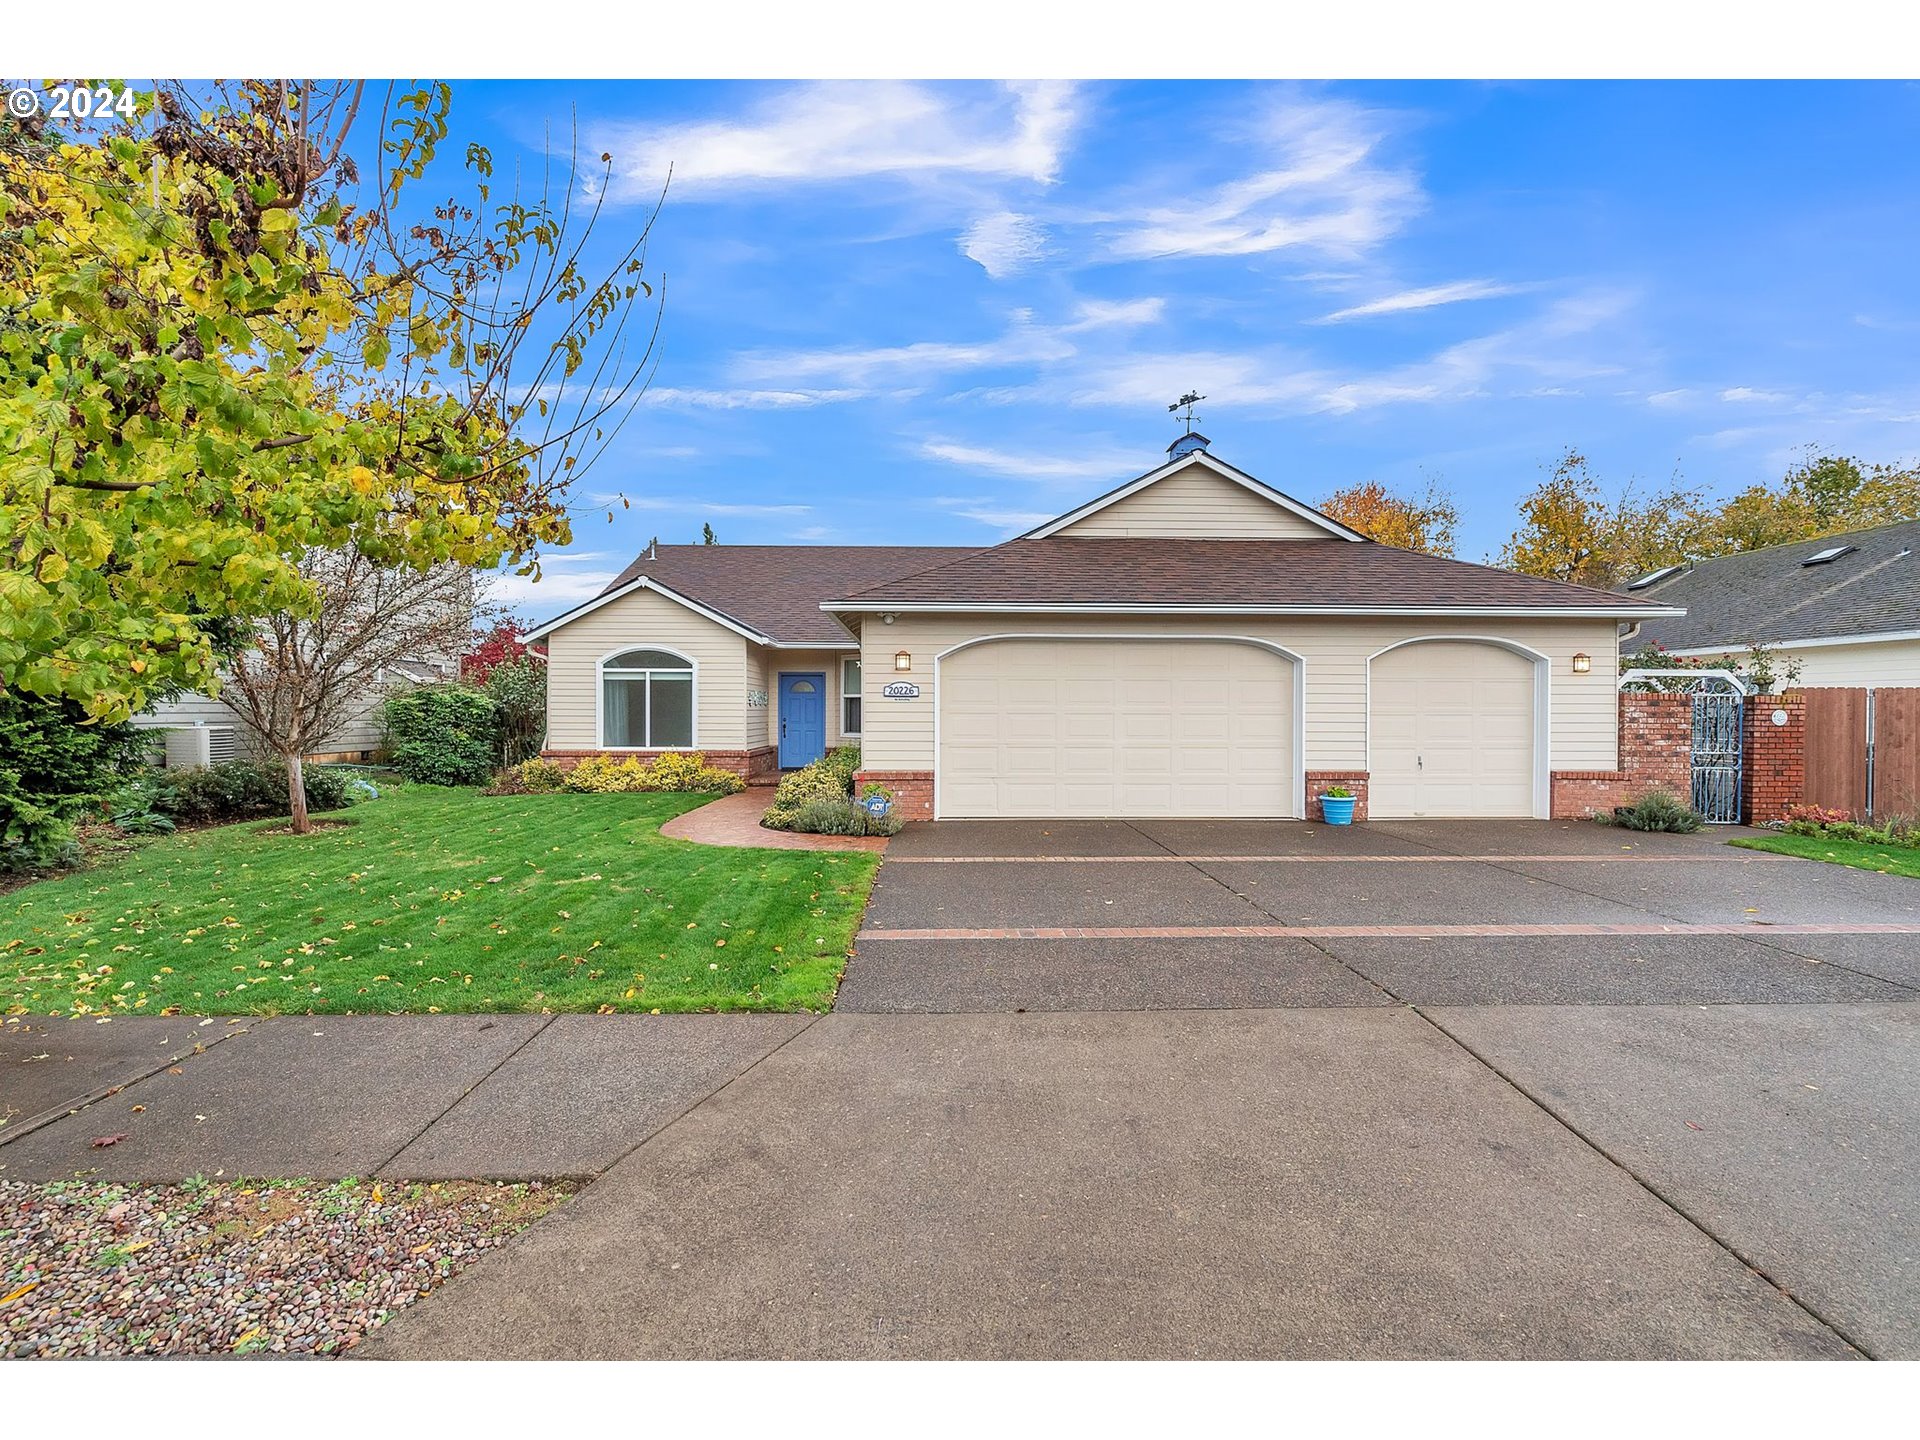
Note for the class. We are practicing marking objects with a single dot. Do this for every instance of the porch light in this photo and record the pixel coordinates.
(1582, 663)
(902, 660)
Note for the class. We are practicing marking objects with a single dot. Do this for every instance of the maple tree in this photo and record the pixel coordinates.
(222, 353)
(1426, 522)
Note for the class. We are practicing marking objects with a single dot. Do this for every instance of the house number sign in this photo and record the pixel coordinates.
(900, 690)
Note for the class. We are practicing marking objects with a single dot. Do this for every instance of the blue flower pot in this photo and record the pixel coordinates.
(1336, 811)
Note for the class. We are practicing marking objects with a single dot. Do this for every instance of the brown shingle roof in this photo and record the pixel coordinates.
(1225, 573)
(777, 589)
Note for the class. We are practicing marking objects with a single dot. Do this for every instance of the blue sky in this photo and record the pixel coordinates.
(936, 313)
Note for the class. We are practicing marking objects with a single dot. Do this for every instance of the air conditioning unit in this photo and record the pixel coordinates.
(194, 747)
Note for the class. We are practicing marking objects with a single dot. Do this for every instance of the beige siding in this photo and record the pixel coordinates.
(1584, 724)
(1891, 662)
(1198, 504)
(644, 618)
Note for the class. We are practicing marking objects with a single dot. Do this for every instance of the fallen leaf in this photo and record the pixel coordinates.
(101, 1142)
(14, 1295)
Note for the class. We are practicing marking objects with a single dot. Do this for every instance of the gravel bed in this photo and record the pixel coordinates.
(298, 1267)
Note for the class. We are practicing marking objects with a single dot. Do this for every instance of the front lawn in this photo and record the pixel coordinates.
(439, 900)
(1887, 859)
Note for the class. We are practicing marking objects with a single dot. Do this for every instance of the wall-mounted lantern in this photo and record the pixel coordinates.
(902, 660)
(1582, 663)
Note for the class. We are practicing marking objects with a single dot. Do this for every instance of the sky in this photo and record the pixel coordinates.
(939, 313)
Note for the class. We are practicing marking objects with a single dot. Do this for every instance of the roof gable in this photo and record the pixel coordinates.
(1195, 497)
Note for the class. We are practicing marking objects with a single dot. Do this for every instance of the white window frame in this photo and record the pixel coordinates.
(602, 669)
(857, 693)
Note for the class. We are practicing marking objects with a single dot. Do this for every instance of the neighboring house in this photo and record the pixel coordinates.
(1192, 643)
(205, 730)
(1844, 608)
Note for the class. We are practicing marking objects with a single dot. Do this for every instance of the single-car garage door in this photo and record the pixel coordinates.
(1452, 731)
(1115, 727)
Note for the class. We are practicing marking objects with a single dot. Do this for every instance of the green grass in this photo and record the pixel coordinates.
(439, 900)
(1887, 859)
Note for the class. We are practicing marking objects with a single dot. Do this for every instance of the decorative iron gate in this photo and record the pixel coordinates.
(1717, 726)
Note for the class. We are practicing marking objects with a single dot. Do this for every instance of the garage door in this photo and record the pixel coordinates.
(1115, 727)
(1452, 731)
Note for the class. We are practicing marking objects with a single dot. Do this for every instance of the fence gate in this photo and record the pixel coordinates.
(1717, 725)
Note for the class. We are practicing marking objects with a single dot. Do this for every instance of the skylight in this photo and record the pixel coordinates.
(1654, 579)
(1829, 555)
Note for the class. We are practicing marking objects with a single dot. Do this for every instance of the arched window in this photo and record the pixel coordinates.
(646, 701)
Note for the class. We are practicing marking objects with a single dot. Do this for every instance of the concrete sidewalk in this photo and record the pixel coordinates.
(429, 1097)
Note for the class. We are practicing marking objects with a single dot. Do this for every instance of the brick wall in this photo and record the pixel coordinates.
(1775, 772)
(747, 764)
(912, 790)
(1656, 753)
(1321, 781)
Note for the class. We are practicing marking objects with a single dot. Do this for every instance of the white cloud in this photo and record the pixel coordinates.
(1025, 466)
(1422, 299)
(1004, 243)
(1024, 343)
(566, 579)
(1743, 393)
(1670, 399)
(686, 504)
(1007, 521)
(1329, 191)
(845, 130)
(748, 399)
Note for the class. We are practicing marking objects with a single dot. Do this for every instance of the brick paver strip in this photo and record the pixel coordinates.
(1397, 932)
(1443, 859)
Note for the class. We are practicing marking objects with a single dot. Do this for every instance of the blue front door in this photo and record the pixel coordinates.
(803, 719)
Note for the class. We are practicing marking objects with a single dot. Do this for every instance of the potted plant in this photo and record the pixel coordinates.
(1336, 805)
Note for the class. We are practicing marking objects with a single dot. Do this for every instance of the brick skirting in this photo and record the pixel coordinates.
(1656, 753)
(747, 764)
(1321, 781)
(912, 790)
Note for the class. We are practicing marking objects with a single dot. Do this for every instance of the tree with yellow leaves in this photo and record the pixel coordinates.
(1426, 523)
(222, 352)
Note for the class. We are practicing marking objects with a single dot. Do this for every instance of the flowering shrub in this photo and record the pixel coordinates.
(1812, 819)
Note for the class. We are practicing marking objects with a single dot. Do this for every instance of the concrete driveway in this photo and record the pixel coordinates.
(1102, 1090)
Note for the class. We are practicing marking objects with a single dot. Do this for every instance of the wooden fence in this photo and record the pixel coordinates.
(1863, 750)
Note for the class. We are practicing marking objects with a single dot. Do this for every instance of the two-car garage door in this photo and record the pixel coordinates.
(1046, 728)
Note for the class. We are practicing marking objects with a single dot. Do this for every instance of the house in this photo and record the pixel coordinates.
(1191, 643)
(1844, 609)
(205, 730)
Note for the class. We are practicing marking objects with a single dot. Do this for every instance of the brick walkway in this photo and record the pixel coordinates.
(1398, 932)
(734, 821)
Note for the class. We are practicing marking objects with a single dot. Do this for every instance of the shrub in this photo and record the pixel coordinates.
(1336, 792)
(831, 817)
(1814, 819)
(604, 775)
(54, 766)
(824, 779)
(518, 689)
(843, 763)
(530, 777)
(690, 772)
(243, 790)
(1657, 810)
(443, 734)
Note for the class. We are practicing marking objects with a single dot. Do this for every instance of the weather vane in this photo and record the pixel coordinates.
(1189, 400)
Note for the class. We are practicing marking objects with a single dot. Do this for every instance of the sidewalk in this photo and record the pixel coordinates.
(734, 821)
(420, 1097)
